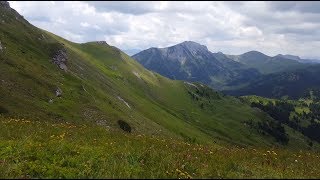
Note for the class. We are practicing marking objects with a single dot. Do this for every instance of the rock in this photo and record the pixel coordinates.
(4, 4)
(58, 92)
(51, 101)
(60, 58)
(124, 102)
(102, 42)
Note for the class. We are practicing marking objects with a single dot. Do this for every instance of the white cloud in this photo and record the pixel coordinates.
(230, 27)
(84, 24)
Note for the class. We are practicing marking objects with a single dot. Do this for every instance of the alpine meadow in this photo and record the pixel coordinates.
(88, 110)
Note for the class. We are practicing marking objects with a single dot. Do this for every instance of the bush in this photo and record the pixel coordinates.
(3, 110)
(124, 126)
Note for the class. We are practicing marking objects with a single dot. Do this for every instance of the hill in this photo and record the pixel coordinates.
(303, 115)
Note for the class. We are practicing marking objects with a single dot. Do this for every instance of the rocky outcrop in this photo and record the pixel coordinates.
(4, 4)
(60, 58)
(102, 42)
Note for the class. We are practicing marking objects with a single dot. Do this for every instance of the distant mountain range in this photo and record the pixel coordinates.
(267, 64)
(194, 62)
(297, 58)
(250, 73)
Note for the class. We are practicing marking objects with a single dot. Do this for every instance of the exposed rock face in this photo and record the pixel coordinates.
(4, 4)
(58, 92)
(60, 58)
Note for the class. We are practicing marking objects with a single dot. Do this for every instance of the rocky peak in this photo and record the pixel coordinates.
(4, 4)
(193, 46)
(101, 42)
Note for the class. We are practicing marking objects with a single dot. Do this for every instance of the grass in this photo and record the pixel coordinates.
(41, 149)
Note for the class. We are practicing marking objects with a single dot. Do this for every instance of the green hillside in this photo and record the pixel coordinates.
(302, 115)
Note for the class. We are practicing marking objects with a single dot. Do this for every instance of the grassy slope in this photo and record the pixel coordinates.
(40, 149)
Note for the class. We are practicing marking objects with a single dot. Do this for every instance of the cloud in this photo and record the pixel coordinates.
(303, 7)
(230, 27)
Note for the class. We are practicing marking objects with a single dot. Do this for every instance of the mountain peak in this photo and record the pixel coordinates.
(4, 4)
(193, 46)
(254, 53)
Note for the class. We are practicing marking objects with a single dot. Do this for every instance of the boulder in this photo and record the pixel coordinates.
(60, 58)
(58, 92)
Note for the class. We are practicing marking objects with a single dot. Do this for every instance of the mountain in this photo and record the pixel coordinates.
(194, 62)
(266, 64)
(294, 84)
(288, 56)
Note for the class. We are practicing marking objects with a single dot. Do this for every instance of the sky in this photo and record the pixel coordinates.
(229, 27)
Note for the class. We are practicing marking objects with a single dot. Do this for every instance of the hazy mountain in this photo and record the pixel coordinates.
(297, 58)
(267, 64)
